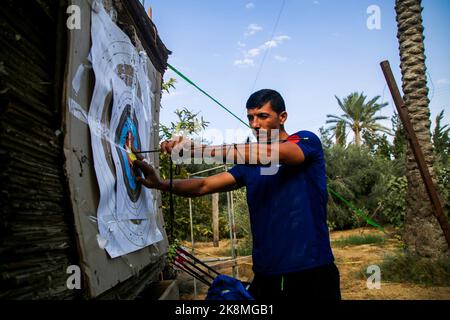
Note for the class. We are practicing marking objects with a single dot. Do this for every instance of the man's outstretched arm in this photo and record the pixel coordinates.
(247, 153)
(186, 187)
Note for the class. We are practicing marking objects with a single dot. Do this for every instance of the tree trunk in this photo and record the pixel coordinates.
(422, 233)
(340, 133)
(357, 137)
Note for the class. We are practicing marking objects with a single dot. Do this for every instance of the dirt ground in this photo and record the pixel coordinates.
(351, 261)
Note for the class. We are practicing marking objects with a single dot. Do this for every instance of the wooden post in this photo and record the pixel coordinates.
(215, 218)
(411, 136)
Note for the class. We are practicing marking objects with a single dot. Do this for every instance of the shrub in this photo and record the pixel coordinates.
(393, 203)
(408, 267)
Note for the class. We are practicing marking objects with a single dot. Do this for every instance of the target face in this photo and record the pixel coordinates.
(127, 137)
(120, 119)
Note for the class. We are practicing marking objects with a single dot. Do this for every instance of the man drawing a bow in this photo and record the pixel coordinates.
(292, 257)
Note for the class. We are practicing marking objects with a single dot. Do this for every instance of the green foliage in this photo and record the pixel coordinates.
(407, 267)
(242, 223)
(172, 250)
(358, 115)
(441, 143)
(392, 203)
(244, 248)
(441, 140)
(340, 133)
(325, 136)
(241, 214)
(202, 214)
(187, 124)
(400, 142)
(201, 218)
(443, 180)
(365, 179)
(340, 217)
(377, 145)
(351, 174)
(358, 240)
(166, 86)
(371, 176)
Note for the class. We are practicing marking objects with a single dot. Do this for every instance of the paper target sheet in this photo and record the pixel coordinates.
(120, 117)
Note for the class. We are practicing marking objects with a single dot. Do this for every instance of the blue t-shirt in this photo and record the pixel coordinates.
(288, 211)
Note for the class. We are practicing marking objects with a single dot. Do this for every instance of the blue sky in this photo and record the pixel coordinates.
(318, 49)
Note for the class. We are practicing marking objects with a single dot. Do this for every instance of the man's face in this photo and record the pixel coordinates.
(264, 120)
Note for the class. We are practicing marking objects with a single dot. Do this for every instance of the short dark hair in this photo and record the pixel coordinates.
(261, 97)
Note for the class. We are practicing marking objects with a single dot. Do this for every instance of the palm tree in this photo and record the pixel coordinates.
(422, 232)
(358, 115)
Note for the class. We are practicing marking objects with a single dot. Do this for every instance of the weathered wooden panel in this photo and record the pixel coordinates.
(38, 238)
(36, 225)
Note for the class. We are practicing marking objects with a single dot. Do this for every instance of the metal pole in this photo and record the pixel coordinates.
(417, 151)
(234, 228)
(233, 255)
(230, 223)
(192, 241)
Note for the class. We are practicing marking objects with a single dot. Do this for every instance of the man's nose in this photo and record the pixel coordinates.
(255, 124)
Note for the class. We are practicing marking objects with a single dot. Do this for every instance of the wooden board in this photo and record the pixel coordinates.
(101, 272)
(36, 225)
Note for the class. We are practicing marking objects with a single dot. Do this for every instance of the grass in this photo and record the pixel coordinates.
(358, 240)
(244, 248)
(414, 269)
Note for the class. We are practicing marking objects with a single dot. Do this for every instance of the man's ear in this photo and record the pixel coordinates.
(282, 117)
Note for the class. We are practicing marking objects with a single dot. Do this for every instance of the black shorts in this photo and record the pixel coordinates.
(321, 283)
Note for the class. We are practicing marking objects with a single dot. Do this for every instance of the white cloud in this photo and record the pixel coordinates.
(252, 29)
(270, 44)
(442, 81)
(250, 5)
(280, 39)
(246, 62)
(280, 58)
(241, 44)
(254, 52)
(275, 42)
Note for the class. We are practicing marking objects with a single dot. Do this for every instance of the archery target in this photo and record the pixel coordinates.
(120, 118)
(127, 138)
